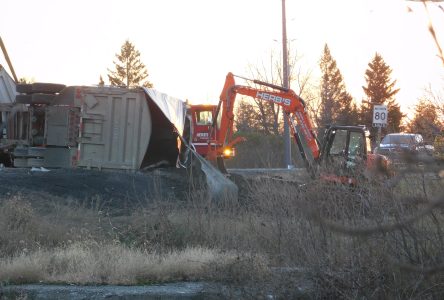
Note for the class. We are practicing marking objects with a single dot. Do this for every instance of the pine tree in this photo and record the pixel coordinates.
(395, 116)
(245, 117)
(129, 70)
(381, 89)
(101, 82)
(336, 105)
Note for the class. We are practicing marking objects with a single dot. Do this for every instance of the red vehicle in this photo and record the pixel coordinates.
(343, 146)
(202, 119)
(212, 136)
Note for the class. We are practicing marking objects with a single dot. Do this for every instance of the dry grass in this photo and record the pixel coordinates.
(366, 242)
(156, 243)
(92, 263)
(372, 241)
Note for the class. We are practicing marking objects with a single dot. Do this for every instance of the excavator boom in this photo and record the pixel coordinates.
(292, 105)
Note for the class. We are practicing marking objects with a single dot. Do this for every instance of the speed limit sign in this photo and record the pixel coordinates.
(380, 115)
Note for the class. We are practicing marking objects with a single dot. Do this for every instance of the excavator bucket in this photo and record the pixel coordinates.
(219, 187)
(216, 161)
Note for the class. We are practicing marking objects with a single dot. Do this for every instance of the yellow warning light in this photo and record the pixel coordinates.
(228, 152)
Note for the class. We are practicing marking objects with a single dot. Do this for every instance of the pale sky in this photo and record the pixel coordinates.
(189, 46)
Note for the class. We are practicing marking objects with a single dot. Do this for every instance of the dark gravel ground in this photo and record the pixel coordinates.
(116, 189)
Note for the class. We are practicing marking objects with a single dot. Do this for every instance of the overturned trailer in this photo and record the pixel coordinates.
(99, 127)
(13, 117)
(102, 128)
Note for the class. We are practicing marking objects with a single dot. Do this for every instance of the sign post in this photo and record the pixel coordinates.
(380, 116)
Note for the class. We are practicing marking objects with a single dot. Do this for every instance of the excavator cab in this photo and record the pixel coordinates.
(344, 153)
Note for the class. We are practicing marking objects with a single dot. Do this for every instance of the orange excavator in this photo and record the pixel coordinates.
(342, 149)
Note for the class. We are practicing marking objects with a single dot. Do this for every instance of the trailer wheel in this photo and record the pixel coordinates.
(5, 159)
(20, 162)
(23, 99)
(42, 98)
(221, 165)
(20, 152)
(36, 151)
(40, 87)
(24, 88)
(35, 162)
(35, 99)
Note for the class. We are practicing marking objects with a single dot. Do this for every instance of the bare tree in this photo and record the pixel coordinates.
(269, 116)
(436, 97)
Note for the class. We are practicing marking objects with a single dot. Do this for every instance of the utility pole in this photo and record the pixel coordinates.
(286, 84)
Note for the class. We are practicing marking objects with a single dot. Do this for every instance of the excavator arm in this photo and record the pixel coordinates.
(293, 107)
(350, 143)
